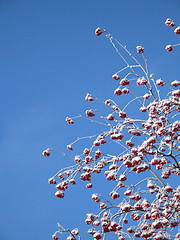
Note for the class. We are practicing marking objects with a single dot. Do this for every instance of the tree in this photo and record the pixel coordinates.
(148, 149)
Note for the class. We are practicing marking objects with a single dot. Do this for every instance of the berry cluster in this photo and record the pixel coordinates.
(149, 141)
(170, 23)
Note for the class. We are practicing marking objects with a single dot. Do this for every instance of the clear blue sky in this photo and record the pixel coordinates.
(49, 59)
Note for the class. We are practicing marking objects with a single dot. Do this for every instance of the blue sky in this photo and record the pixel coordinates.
(49, 59)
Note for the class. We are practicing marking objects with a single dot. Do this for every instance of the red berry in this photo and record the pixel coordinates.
(169, 22)
(69, 120)
(176, 93)
(50, 180)
(75, 231)
(103, 206)
(177, 30)
(96, 223)
(98, 31)
(70, 238)
(122, 177)
(130, 230)
(125, 90)
(86, 151)
(124, 82)
(72, 181)
(143, 109)
(168, 188)
(127, 192)
(59, 194)
(122, 114)
(67, 173)
(54, 237)
(61, 176)
(115, 108)
(107, 102)
(97, 236)
(140, 49)
(115, 77)
(125, 221)
(169, 48)
(95, 198)
(126, 207)
(89, 185)
(69, 147)
(175, 83)
(121, 238)
(115, 195)
(89, 98)
(96, 143)
(77, 159)
(102, 141)
(46, 153)
(160, 82)
(110, 117)
(129, 143)
(89, 113)
(118, 91)
(163, 149)
(54, 181)
(141, 81)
